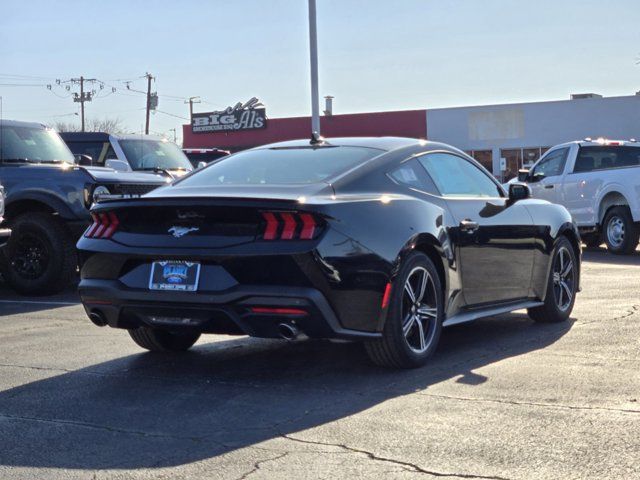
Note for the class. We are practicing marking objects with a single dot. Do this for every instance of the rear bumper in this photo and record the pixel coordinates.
(5, 234)
(228, 312)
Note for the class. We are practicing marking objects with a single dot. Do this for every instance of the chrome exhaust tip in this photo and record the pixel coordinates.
(288, 331)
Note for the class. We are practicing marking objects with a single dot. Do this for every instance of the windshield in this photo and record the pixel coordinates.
(278, 166)
(154, 154)
(32, 144)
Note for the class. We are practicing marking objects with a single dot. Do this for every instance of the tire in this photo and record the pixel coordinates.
(557, 303)
(158, 340)
(40, 257)
(395, 348)
(592, 240)
(620, 233)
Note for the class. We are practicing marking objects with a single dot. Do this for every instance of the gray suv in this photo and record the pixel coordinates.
(47, 204)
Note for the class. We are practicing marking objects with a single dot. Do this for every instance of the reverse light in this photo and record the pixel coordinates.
(104, 225)
(289, 226)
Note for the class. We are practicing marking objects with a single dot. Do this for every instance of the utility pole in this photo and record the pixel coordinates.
(175, 139)
(191, 101)
(313, 55)
(146, 125)
(82, 102)
(83, 96)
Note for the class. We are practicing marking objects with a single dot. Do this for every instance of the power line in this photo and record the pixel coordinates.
(172, 115)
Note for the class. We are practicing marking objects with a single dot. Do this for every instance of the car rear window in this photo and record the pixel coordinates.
(605, 157)
(278, 166)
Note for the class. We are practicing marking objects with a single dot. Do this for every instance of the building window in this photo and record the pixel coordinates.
(484, 157)
(530, 156)
(513, 157)
(517, 158)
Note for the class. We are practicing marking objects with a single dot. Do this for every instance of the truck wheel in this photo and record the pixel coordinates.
(562, 286)
(620, 233)
(158, 340)
(40, 257)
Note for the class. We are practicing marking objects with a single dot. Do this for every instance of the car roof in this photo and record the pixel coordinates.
(381, 143)
(104, 136)
(85, 136)
(18, 123)
(599, 142)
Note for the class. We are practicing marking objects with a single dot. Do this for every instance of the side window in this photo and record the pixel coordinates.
(111, 154)
(412, 174)
(606, 157)
(552, 164)
(456, 177)
(94, 149)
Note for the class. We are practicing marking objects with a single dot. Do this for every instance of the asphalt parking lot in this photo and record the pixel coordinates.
(504, 398)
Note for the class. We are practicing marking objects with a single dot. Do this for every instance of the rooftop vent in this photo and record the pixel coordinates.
(580, 96)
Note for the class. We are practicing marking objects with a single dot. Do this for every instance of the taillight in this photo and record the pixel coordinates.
(289, 226)
(104, 225)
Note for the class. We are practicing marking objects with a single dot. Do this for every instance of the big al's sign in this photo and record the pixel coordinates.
(242, 116)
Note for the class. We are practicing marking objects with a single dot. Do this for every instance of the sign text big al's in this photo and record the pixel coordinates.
(248, 116)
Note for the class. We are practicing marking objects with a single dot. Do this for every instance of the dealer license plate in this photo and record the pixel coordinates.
(174, 275)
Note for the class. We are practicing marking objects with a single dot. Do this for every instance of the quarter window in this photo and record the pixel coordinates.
(456, 177)
(412, 174)
(552, 164)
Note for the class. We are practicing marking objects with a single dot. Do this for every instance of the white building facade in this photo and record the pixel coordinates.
(505, 138)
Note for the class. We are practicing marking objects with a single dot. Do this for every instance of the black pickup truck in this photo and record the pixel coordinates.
(47, 204)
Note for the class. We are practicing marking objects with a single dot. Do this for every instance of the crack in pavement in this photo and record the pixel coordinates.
(530, 404)
(412, 466)
(634, 309)
(96, 426)
(257, 465)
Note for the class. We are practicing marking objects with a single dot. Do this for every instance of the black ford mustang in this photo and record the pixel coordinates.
(384, 240)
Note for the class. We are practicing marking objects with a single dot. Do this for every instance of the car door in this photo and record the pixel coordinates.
(545, 178)
(494, 238)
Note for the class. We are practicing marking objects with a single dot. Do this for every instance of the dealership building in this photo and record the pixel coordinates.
(503, 137)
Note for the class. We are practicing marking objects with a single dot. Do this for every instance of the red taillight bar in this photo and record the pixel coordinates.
(289, 226)
(272, 226)
(104, 225)
(278, 310)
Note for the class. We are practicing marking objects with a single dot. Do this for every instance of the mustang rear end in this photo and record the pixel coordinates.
(235, 266)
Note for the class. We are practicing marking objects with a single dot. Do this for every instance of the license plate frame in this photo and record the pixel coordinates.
(174, 276)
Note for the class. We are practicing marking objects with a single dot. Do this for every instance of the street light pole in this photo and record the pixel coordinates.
(313, 54)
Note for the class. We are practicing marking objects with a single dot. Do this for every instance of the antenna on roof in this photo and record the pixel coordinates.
(313, 55)
(316, 138)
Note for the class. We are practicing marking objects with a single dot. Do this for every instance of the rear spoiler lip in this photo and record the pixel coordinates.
(111, 204)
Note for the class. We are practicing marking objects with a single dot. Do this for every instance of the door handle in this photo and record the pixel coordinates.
(469, 226)
(548, 186)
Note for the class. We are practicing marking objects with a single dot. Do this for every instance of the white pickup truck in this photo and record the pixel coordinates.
(598, 181)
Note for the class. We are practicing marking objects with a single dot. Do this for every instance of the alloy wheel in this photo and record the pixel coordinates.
(615, 231)
(31, 257)
(419, 310)
(563, 279)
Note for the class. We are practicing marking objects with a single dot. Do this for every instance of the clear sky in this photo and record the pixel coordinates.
(374, 55)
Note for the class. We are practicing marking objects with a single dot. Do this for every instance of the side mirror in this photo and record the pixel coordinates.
(537, 176)
(523, 174)
(82, 159)
(519, 191)
(202, 164)
(117, 165)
